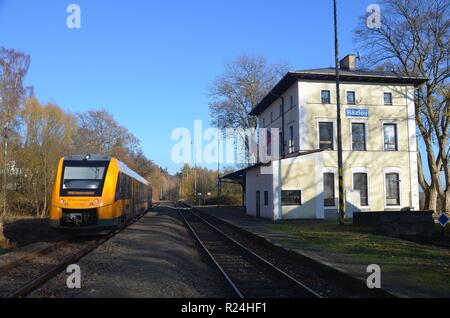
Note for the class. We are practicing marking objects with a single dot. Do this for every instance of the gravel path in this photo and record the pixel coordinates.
(155, 257)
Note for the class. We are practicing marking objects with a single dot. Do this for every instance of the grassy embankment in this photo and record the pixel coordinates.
(406, 263)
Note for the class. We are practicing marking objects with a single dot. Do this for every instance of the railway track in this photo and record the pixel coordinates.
(321, 279)
(21, 277)
(248, 274)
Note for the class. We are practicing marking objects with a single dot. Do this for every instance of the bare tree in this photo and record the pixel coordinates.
(239, 89)
(414, 40)
(13, 69)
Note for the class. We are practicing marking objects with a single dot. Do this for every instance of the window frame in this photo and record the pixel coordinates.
(396, 171)
(384, 99)
(300, 192)
(334, 190)
(291, 139)
(333, 123)
(329, 96)
(366, 131)
(395, 124)
(366, 172)
(355, 98)
(266, 202)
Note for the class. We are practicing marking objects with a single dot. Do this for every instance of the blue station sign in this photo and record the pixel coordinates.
(352, 112)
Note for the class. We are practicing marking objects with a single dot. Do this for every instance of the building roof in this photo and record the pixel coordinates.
(240, 175)
(329, 75)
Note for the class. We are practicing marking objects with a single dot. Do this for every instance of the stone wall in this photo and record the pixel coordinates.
(398, 224)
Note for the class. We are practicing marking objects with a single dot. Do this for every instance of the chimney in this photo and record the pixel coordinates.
(348, 63)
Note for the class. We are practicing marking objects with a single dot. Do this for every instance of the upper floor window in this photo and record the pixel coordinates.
(390, 137)
(271, 117)
(326, 136)
(281, 110)
(388, 98)
(326, 97)
(359, 136)
(351, 98)
(292, 101)
(291, 139)
(264, 122)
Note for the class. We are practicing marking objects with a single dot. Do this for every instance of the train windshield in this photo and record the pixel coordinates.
(83, 178)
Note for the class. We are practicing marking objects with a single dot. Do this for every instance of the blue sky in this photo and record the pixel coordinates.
(150, 63)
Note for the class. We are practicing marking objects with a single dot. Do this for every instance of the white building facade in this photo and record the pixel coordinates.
(378, 137)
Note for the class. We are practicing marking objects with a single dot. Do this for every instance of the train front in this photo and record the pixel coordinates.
(83, 194)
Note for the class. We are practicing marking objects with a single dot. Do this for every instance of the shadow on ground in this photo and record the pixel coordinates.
(26, 231)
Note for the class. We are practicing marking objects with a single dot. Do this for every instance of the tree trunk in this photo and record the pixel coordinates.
(432, 200)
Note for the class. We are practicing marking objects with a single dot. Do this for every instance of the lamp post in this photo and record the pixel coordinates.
(339, 123)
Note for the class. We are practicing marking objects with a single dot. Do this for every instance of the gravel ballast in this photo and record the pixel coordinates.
(154, 258)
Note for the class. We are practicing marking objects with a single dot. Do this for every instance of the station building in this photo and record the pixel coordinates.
(380, 150)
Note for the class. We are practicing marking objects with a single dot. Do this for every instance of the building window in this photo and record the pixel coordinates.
(291, 139)
(351, 98)
(390, 137)
(360, 184)
(281, 110)
(271, 117)
(269, 142)
(326, 97)
(359, 136)
(388, 98)
(329, 190)
(292, 101)
(266, 198)
(326, 138)
(264, 123)
(291, 198)
(392, 189)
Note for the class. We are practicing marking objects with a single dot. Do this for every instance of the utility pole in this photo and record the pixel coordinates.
(339, 123)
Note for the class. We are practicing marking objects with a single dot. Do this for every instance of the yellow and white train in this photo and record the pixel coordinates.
(96, 193)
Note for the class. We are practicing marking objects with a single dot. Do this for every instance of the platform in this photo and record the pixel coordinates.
(395, 279)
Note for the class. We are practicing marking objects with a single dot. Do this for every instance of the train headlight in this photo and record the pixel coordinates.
(62, 201)
(96, 201)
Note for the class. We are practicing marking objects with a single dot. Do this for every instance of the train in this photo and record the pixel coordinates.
(95, 193)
